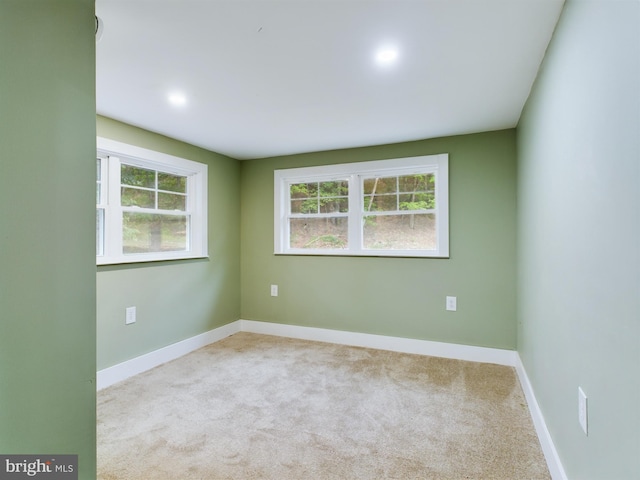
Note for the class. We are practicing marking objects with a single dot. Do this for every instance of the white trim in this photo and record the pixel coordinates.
(354, 174)
(546, 442)
(137, 365)
(510, 358)
(381, 342)
(144, 157)
(196, 173)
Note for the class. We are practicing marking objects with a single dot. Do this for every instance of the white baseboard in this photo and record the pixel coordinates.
(548, 448)
(129, 368)
(381, 342)
(124, 370)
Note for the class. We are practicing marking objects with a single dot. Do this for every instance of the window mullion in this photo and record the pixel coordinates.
(355, 213)
(113, 214)
(194, 242)
(104, 181)
(101, 202)
(155, 189)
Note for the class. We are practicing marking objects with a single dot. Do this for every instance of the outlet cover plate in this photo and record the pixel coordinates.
(452, 304)
(130, 316)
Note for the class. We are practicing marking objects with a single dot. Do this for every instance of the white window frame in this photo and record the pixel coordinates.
(101, 204)
(113, 155)
(355, 173)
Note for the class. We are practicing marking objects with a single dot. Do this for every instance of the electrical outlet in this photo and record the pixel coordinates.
(452, 304)
(130, 315)
(582, 410)
(274, 290)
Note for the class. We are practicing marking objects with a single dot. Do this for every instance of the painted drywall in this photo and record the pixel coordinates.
(47, 238)
(579, 237)
(178, 299)
(402, 297)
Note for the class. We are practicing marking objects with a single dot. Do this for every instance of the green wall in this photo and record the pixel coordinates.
(47, 238)
(178, 299)
(579, 237)
(402, 297)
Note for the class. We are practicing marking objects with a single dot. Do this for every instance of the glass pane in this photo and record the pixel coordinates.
(369, 184)
(150, 232)
(417, 201)
(303, 190)
(170, 201)
(137, 177)
(419, 182)
(380, 203)
(388, 185)
(334, 189)
(99, 170)
(400, 232)
(309, 205)
(333, 205)
(172, 183)
(318, 233)
(431, 182)
(99, 232)
(134, 197)
(381, 185)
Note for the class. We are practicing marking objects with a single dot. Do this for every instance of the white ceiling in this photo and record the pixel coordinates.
(272, 77)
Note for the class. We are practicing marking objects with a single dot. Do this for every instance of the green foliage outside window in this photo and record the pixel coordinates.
(319, 197)
(146, 188)
(404, 193)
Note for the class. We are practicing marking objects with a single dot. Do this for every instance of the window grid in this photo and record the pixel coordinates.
(153, 206)
(407, 216)
(400, 195)
(157, 192)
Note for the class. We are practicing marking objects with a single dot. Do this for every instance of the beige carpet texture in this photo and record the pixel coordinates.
(262, 407)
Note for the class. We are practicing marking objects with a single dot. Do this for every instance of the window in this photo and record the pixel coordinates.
(149, 206)
(383, 208)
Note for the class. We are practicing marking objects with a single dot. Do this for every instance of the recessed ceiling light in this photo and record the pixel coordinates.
(177, 99)
(386, 55)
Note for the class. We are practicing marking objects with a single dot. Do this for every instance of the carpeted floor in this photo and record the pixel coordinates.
(261, 407)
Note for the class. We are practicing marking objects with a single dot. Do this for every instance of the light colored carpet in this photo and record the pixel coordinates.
(262, 407)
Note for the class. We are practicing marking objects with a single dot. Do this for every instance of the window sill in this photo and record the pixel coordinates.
(364, 255)
(115, 264)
